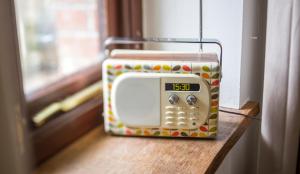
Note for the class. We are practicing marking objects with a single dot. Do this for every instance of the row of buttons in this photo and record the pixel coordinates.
(170, 118)
(183, 118)
(170, 123)
(180, 108)
(180, 123)
(181, 113)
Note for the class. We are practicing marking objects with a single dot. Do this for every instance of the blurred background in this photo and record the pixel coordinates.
(57, 38)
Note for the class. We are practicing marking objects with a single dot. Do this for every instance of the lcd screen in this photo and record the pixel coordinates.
(182, 87)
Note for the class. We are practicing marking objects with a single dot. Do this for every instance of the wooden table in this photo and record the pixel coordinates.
(98, 152)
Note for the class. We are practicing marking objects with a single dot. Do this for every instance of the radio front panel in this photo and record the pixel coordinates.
(180, 101)
(184, 102)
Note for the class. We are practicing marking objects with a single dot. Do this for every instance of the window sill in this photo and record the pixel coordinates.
(98, 151)
(65, 128)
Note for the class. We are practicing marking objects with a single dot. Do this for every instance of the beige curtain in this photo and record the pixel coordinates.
(281, 97)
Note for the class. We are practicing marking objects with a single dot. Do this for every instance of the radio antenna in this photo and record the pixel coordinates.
(200, 23)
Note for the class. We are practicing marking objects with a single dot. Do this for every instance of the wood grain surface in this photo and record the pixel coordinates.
(98, 152)
(251, 108)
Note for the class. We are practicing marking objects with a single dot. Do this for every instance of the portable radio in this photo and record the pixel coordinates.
(161, 93)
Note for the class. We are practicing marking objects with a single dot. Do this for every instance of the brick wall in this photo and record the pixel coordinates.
(77, 31)
(58, 38)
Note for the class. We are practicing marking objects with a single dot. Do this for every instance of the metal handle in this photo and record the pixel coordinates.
(123, 41)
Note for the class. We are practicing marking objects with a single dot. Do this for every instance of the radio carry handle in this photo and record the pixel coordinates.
(125, 41)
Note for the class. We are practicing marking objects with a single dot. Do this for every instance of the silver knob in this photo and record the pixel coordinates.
(173, 99)
(191, 99)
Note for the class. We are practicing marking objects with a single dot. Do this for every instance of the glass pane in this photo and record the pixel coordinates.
(57, 38)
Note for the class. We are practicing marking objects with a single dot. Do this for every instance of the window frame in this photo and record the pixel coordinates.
(122, 18)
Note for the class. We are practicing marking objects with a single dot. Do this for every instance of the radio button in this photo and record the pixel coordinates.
(169, 113)
(193, 108)
(169, 123)
(181, 113)
(170, 107)
(181, 124)
(169, 118)
(194, 118)
(181, 118)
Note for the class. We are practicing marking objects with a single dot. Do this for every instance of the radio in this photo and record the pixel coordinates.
(161, 93)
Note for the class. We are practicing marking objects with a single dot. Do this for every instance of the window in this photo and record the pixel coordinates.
(61, 52)
(58, 38)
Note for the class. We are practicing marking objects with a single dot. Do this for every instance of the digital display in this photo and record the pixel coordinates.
(182, 87)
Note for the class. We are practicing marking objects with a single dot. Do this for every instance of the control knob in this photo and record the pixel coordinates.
(191, 99)
(173, 99)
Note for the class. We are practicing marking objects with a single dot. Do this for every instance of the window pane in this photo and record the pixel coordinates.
(57, 38)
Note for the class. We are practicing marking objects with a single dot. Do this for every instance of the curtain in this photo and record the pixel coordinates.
(281, 94)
